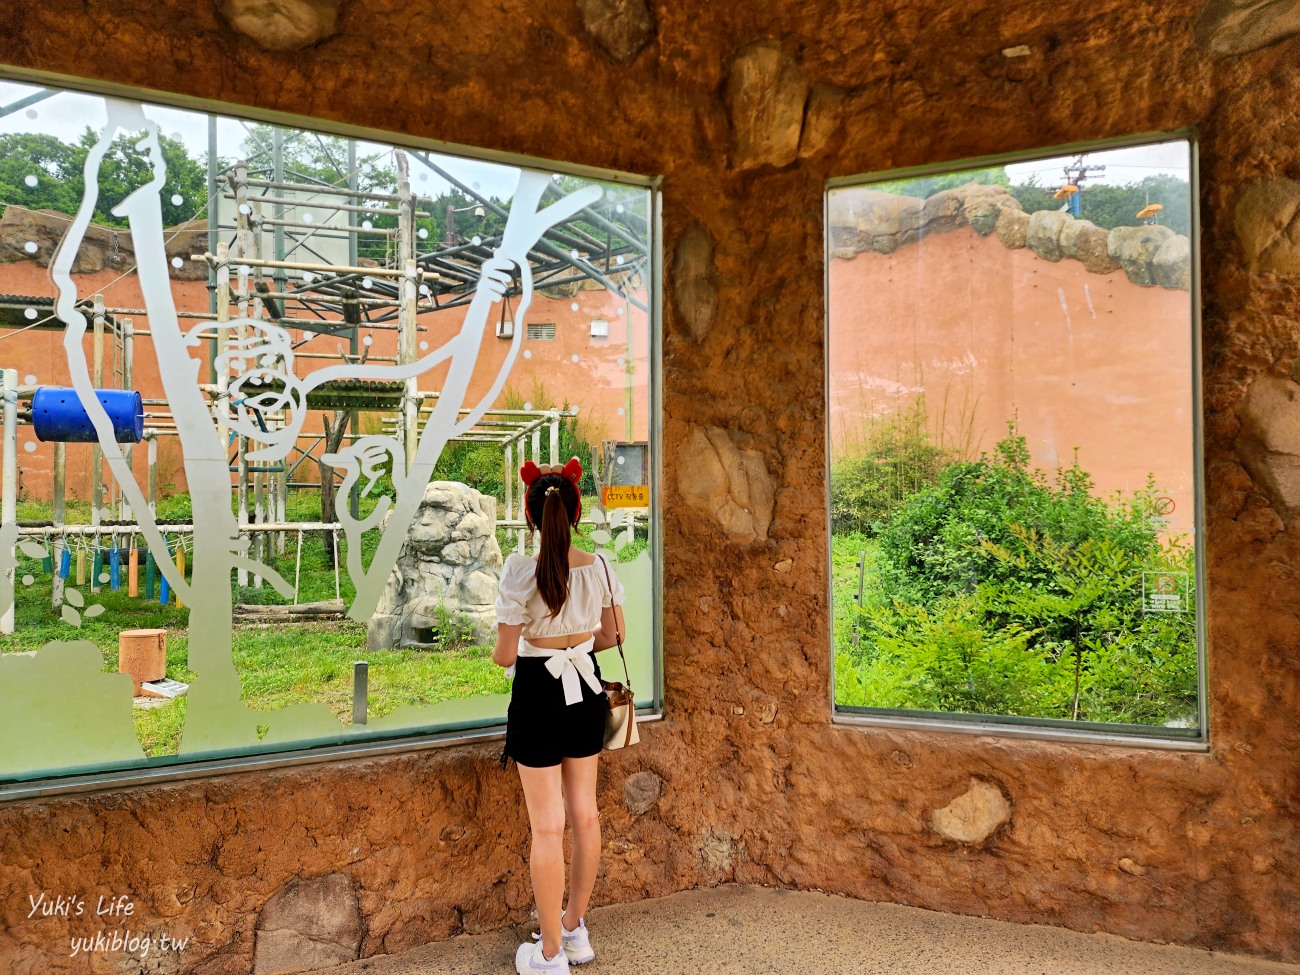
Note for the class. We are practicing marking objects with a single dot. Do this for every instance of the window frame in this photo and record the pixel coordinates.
(110, 778)
(1006, 726)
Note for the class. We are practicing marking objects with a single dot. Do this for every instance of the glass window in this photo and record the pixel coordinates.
(267, 393)
(1014, 472)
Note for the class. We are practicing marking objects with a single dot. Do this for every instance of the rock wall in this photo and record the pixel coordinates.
(748, 779)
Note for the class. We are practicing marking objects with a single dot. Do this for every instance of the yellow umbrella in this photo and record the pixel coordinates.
(1150, 210)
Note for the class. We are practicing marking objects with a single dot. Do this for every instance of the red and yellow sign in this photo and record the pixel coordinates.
(625, 496)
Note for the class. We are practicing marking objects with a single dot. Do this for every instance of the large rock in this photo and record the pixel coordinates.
(872, 220)
(1269, 444)
(1043, 235)
(1228, 27)
(694, 292)
(1267, 220)
(1135, 249)
(1173, 263)
(982, 205)
(974, 815)
(766, 95)
(102, 249)
(622, 27)
(1084, 241)
(283, 25)
(312, 923)
(730, 485)
(822, 120)
(449, 568)
(1012, 227)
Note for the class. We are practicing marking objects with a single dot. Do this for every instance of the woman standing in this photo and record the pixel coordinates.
(553, 613)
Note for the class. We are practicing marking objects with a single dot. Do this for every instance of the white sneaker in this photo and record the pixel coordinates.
(530, 960)
(576, 943)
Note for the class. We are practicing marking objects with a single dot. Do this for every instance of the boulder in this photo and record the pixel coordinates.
(1043, 235)
(821, 120)
(1012, 227)
(622, 27)
(694, 291)
(1230, 27)
(448, 569)
(872, 220)
(1135, 249)
(1267, 221)
(1084, 241)
(766, 95)
(1269, 443)
(312, 923)
(974, 815)
(1173, 263)
(283, 25)
(730, 485)
(983, 205)
(641, 791)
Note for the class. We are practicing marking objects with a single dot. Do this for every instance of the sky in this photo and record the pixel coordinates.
(66, 115)
(1122, 165)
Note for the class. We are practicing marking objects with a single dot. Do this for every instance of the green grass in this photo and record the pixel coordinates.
(278, 664)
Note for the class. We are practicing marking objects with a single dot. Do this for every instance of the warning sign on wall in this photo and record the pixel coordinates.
(1165, 592)
(625, 496)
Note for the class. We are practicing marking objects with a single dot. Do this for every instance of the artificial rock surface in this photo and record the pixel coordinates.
(448, 569)
(758, 785)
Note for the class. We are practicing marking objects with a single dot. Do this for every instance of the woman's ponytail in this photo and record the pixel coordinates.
(552, 503)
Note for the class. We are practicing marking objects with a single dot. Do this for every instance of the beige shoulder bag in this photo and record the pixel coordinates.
(620, 722)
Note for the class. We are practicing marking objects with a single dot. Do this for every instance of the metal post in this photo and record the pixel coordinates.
(259, 517)
(59, 516)
(214, 236)
(128, 378)
(406, 336)
(509, 479)
(555, 438)
(360, 691)
(97, 452)
(9, 497)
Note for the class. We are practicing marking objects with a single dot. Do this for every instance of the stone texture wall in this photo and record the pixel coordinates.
(746, 109)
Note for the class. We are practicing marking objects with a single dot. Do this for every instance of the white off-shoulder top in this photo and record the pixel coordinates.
(518, 600)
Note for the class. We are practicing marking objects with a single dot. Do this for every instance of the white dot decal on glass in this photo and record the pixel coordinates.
(621, 360)
(620, 411)
(177, 262)
(308, 218)
(366, 282)
(104, 577)
(574, 408)
(30, 447)
(424, 290)
(367, 225)
(422, 233)
(475, 187)
(424, 177)
(574, 253)
(32, 113)
(528, 353)
(308, 277)
(619, 208)
(620, 311)
(31, 180)
(575, 358)
(573, 306)
(29, 314)
(255, 381)
(528, 406)
(618, 259)
(424, 346)
(476, 240)
(243, 148)
(30, 247)
(29, 380)
(368, 339)
(177, 199)
(28, 580)
(245, 209)
(620, 460)
(175, 137)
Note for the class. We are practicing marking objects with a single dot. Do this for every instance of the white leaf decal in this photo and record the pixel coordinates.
(600, 536)
(71, 616)
(94, 611)
(32, 550)
(74, 596)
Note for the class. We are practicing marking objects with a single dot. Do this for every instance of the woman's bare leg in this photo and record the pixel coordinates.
(579, 776)
(543, 792)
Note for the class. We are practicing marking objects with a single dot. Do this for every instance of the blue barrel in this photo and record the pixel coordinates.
(58, 416)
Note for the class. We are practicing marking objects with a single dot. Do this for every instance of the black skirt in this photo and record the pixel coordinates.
(540, 728)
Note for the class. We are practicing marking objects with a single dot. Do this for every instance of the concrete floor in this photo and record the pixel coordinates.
(755, 931)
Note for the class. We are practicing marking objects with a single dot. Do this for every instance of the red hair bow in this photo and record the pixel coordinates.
(572, 471)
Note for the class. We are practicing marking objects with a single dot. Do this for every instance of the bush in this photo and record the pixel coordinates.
(895, 459)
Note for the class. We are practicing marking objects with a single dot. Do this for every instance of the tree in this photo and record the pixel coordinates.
(924, 187)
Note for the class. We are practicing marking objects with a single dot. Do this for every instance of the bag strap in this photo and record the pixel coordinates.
(618, 636)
